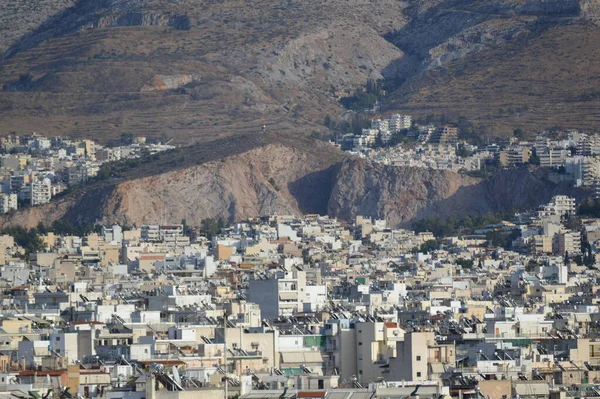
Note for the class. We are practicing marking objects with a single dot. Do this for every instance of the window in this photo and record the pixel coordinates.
(321, 384)
(360, 344)
(418, 358)
(418, 373)
(57, 339)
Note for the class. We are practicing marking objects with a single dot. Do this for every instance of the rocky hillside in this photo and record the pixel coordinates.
(270, 175)
(503, 64)
(286, 177)
(401, 195)
(200, 70)
(95, 68)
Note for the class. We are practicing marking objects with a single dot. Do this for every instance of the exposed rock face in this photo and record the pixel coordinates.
(263, 181)
(169, 82)
(280, 179)
(590, 10)
(401, 195)
(180, 22)
(259, 182)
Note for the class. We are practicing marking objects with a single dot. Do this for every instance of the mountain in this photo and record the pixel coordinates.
(198, 70)
(97, 68)
(285, 175)
(502, 64)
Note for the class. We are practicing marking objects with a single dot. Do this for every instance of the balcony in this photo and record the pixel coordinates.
(331, 348)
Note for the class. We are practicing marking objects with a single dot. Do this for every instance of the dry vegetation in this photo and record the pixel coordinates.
(80, 71)
(549, 80)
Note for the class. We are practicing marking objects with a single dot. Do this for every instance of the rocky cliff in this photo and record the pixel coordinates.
(284, 179)
(401, 195)
(265, 180)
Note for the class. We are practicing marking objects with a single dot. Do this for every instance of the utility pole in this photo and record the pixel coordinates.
(225, 316)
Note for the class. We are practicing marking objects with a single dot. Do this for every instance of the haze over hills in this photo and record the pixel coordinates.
(200, 70)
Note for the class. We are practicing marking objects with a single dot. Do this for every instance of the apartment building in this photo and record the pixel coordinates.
(283, 295)
(416, 353)
(40, 192)
(514, 156)
(445, 135)
(569, 242)
(8, 202)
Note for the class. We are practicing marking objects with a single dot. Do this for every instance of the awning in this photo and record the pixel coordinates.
(292, 371)
(582, 317)
(437, 368)
(288, 295)
(41, 351)
(301, 357)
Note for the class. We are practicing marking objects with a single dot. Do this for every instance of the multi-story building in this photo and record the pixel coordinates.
(514, 156)
(569, 242)
(383, 125)
(416, 353)
(399, 122)
(150, 233)
(281, 296)
(560, 205)
(8, 202)
(585, 170)
(76, 174)
(445, 135)
(40, 192)
(552, 157)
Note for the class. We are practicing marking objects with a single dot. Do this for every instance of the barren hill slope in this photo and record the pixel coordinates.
(90, 70)
(503, 64)
(203, 69)
(401, 195)
(284, 175)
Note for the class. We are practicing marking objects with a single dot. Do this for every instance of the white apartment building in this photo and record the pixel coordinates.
(8, 202)
(583, 169)
(558, 205)
(553, 157)
(399, 122)
(150, 233)
(281, 296)
(40, 192)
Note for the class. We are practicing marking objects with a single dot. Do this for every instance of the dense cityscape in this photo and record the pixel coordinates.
(496, 307)
(301, 199)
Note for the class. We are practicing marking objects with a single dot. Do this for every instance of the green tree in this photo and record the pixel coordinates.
(211, 226)
(465, 263)
(430, 245)
(534, 159)
(27, 239)
(531, 265)
(519, 134)
(103, 174)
